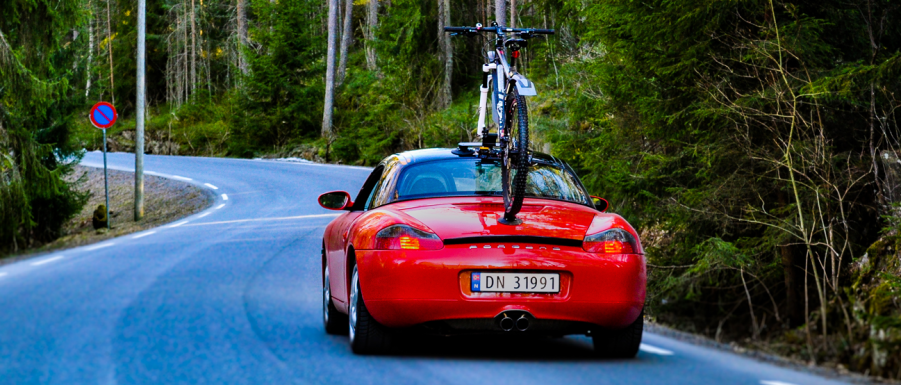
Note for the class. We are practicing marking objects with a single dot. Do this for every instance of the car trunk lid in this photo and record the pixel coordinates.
(455, 218)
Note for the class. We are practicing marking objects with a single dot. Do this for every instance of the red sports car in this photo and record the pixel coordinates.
(421, 250)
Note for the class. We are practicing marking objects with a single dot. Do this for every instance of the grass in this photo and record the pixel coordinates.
(200, 130)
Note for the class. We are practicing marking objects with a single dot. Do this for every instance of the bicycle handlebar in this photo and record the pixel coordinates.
(503, 29)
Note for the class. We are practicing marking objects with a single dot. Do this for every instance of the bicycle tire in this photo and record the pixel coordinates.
(516, 154)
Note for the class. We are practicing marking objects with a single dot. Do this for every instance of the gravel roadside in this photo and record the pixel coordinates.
(165, 201)
(735, 348)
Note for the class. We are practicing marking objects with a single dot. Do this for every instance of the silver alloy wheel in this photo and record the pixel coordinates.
(354, 297)
(326, 296)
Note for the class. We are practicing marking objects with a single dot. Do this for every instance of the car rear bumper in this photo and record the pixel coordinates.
(404, 288)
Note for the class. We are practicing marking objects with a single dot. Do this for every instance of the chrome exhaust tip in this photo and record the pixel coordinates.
(506, 323)
(522, 323)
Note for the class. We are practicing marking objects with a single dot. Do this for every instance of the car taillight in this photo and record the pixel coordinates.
(403, 237)
(613, 241)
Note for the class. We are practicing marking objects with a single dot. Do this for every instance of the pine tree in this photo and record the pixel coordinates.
(39, 42)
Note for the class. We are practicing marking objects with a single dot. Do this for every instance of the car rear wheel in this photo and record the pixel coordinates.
(333, 319)
(622, 343)
(367, 336)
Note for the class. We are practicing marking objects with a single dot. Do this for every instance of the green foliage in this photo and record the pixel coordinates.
(38, 43)
(281, 100)
(742, 138)
(734, 133)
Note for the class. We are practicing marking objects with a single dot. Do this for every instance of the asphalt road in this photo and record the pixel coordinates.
(232, 295)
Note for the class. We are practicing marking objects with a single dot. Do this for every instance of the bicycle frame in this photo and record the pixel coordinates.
(512, 151)
(501, 73)
(502, 76)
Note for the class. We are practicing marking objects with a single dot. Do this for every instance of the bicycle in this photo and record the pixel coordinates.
(509, 111)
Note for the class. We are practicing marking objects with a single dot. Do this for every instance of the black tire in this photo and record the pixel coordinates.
(622, 343)
(367, 336)
(516, 162)
(334, 321)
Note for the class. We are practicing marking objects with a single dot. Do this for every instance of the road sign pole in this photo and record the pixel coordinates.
(103, 115)
(139, 124)
(106, 181)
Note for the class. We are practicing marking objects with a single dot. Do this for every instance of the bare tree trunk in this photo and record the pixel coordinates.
(242, 35)
(755, 333)
(447, 53)
(790, 273)
(172, 68)
(792, 299)
(512, 13)
(481, 11)
(875, 30)
(373, 21)
(193, 52)
(347, 38)
(87, 86)
(168, 70)
(186, 56)
(209, 63)
(109, 46)
(500, 12)
(330, 68)
(271, 24)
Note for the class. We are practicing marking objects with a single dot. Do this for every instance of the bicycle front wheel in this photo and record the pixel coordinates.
(516, 159)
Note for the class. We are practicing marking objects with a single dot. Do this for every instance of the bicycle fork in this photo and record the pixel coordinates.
(483, 98)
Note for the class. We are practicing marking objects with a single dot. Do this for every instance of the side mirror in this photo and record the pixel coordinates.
(600, 204)
(335, 200)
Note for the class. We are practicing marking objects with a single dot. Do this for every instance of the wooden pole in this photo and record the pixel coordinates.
(109, 46)
(139, 125)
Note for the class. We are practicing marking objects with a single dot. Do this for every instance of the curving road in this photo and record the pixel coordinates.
(232, 295)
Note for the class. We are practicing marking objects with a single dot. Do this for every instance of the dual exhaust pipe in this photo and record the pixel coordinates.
(508, 323)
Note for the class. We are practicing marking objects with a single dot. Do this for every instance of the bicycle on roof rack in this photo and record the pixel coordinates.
(508, 89)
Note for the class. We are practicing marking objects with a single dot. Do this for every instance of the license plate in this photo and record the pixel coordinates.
(516, 282)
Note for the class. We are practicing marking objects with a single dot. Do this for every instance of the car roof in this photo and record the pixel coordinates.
(430, 154)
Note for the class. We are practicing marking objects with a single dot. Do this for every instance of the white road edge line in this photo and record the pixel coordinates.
(271, 219)
(203, 215)
(181, 177)
(154, 173)
(100, 246)
(178, 224)
(210, 186)
(220, 206)
(48, 260)
(143, 235)
(766, 382)
(654, 350)
(224, 197)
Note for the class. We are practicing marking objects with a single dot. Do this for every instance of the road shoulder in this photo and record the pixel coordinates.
(165, 201)
(735, 348)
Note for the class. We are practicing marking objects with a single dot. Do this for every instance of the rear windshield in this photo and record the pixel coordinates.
(475, 177)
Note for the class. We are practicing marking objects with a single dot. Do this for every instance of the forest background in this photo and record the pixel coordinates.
(753, 142)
